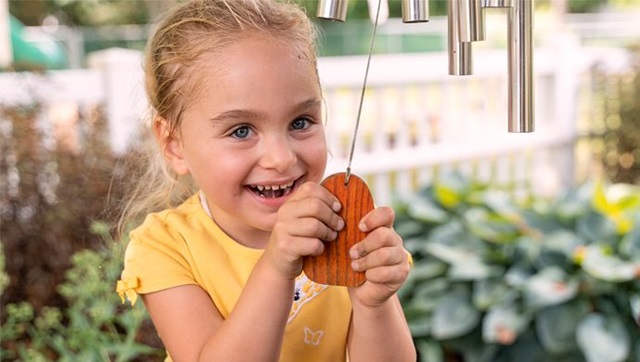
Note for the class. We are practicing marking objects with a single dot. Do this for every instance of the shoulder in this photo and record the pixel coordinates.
(158, 252)
(171, 221)
(166, 234)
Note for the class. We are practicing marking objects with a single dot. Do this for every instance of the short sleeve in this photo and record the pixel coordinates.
(155, 259)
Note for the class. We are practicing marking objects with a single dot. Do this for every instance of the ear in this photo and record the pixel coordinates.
(171, 146)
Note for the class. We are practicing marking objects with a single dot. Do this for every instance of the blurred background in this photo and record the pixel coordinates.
(474, 202)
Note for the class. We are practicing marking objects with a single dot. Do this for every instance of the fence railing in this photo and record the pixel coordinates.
(417, 122)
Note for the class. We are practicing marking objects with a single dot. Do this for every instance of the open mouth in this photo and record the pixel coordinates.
(272, 191)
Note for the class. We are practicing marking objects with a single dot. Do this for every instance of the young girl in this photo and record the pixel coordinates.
(238, 113)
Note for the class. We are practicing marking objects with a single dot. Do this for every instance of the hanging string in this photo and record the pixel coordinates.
(364, 88)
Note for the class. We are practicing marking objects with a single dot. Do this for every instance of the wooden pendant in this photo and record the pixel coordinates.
(333, 266)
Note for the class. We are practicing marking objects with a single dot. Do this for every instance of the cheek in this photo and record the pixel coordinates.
(316, 158)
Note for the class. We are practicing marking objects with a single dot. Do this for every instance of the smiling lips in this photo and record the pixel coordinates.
(272, 191)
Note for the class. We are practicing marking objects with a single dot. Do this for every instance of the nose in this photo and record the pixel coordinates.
(277, 154)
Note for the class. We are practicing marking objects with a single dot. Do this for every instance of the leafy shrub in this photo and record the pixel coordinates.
(94, 327)
(51, 190)
(545, 281)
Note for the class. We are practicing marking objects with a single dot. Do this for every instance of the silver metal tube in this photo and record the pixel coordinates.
(332, 10)
(497, 3)
(520, 48)
(459, 52)
(470, 20)
(415, 11)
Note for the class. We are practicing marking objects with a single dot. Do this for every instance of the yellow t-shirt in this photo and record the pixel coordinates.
(184, 246)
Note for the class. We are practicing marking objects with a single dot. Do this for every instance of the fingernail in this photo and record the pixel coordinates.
(362, 227)
(353, 253)
(354, 265)
(336, 206)
(340, 224)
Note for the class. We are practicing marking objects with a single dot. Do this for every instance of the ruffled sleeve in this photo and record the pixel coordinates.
(157, 258)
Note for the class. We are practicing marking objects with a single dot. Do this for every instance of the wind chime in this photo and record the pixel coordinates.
(465, 26)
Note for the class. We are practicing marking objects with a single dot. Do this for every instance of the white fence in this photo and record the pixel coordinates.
(417, 121)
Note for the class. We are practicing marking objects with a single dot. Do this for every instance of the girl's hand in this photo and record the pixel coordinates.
(381, 256)
(303, 222)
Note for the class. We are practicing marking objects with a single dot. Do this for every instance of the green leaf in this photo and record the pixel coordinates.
(453, 233)
(518, 275)
(548, 287)
(414, 245)
(607, 267)
(500, 202)
(473, 270)
(503, 324)
(447, 196)
(575, 203)
(408, 228)
(634, 302)
(630, 243)
(427, 211)
(595, 227)
(556, 326)
(420, 326)
(427, 269)
(491, 291)
(459, 254)
(603, 338)
(489, 227)
(558, 249)
(430, 351)
(454, 315)
(614, 201)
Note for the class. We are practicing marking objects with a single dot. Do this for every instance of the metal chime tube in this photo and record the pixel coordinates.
(415, 11)
(459, 52)
(466, 25)
(335, 10)
(497, 3)
(520, 48)
(470, 20)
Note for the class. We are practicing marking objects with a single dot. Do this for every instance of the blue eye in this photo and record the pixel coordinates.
(241, 132)
(300, 123)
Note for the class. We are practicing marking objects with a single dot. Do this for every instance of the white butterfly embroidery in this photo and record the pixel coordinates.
(311, 337)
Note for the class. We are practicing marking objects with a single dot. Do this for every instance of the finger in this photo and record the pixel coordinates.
(314, 190)
(378, 238)
(380, 258)
(378, 217)
(395, 274)
(314, 217)
(311, 227)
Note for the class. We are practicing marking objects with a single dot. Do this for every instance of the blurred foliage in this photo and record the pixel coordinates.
(496, 280)
(118, 12)
(55, 180)
(95, 326)
(88, 12)
(618, 120)
(52, 188)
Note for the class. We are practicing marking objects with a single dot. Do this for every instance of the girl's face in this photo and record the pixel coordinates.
(253, 135)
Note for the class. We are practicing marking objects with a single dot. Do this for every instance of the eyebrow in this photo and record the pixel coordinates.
(248, 114)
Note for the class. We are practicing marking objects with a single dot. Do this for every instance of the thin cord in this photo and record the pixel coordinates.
(364, 88)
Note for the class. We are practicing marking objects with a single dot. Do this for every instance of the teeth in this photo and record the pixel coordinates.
(284, 187)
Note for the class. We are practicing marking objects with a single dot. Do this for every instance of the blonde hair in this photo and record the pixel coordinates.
(174, 57)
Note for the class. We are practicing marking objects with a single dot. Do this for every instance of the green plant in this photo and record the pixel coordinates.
(545, 280)
(94, 327)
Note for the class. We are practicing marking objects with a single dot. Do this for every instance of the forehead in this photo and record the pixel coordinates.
(255, 72)
(259, 63)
